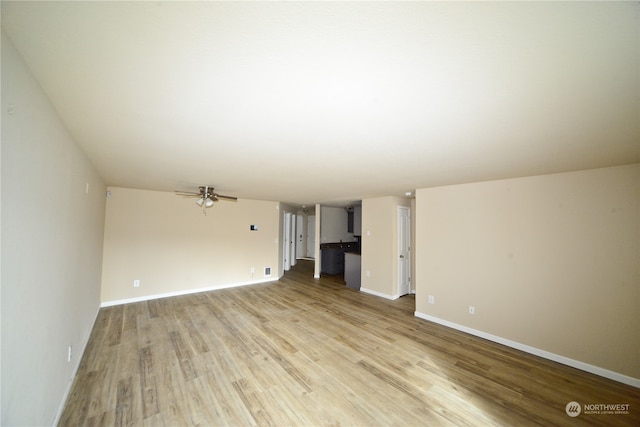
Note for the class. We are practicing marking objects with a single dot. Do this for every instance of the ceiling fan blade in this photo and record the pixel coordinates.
(206, 193)
(220, 196)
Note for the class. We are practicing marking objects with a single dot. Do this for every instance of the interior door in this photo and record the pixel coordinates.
(292, 240)
(404, 250)
(299, 236)
(286, 238)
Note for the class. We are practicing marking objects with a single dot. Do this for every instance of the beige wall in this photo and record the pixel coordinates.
(52, 225)
(550, 261)
(167, 243)
(380, 245)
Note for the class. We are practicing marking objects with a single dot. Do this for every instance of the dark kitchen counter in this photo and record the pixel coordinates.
(346, 246)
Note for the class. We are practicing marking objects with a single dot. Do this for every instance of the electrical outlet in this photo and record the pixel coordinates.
(472, 310)
(136, 283)
(69, 353)
(432, 299)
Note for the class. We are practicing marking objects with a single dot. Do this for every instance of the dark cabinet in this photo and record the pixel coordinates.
(354, 221)
(357, 221)
(332, 256)
(332, 261)
(352, 269)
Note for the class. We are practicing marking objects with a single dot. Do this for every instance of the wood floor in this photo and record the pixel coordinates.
(309, 352)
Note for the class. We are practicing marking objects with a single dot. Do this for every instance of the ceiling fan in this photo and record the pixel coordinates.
(205, 197)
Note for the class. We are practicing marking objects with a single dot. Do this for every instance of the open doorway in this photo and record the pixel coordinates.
(311, 237)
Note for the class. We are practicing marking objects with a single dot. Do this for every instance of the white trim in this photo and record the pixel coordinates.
(379, 294)
(79, 356)
(625, 379)
(186, 292)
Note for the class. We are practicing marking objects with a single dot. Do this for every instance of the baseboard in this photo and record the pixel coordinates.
(378, 294)
(625, 379)
(80, 354)
(186, 292)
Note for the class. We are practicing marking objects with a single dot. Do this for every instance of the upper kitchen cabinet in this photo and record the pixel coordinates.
(354, 220)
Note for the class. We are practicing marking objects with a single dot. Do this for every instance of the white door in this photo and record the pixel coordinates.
(404, 250)
(286, 238)
(292, 240)
(311, 236)
(299, 237)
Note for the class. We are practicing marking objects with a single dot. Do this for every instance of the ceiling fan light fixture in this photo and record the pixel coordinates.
(205, 198)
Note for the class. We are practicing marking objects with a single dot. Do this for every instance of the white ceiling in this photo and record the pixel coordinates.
(331, 102)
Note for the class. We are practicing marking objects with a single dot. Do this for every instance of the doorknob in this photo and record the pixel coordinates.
(401, 256)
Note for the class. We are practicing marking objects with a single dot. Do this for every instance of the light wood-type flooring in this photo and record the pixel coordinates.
(312, 352)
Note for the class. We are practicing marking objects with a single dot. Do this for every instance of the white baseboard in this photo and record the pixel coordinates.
(186, 292)
(625, 379)
(80, 353)
(379, 294)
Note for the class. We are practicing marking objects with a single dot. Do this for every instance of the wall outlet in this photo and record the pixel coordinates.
(267, 272)
(69, 353)
(136, 283)
(432, 299)
(472, 310)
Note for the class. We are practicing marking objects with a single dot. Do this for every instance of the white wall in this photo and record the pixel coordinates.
(549, 261)
(333, 225)
(167, 243)
(52, 228)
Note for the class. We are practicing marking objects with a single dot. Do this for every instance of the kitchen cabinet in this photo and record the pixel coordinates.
(352, 269)
(332, 261)
(332, 256)
(354, 221)
(357, 221)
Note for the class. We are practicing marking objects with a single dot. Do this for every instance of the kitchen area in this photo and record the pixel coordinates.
(341, 230)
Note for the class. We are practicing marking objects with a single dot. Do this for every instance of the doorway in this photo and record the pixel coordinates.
(299, 237)
(404, 250)
(289, 241)
(311, 236)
